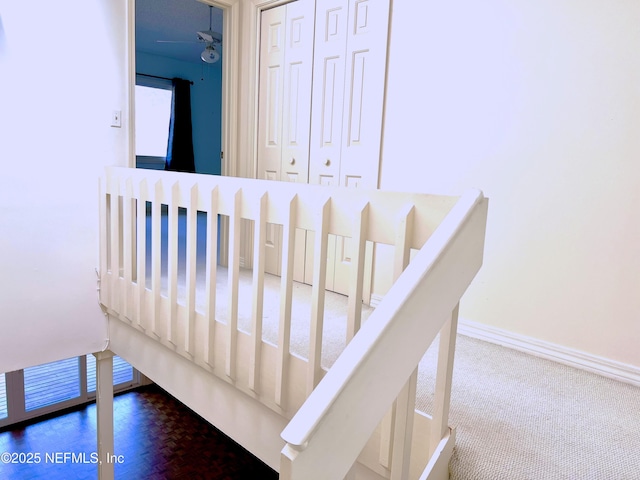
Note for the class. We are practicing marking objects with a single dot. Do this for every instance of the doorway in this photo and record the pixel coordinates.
(180, 39)
(170, 39)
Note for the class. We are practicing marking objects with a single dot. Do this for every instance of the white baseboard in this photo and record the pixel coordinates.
(375, 300)
(557, 353)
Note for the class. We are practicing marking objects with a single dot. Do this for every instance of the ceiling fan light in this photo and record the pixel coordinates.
(210, 54)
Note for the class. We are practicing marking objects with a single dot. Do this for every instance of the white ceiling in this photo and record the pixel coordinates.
(176, 20)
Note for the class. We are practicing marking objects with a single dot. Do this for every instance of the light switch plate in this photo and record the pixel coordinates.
(116, 118)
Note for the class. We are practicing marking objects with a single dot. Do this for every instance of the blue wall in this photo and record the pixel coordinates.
(206, 103)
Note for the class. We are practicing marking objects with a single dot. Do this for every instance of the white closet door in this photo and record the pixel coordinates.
(360, 149)
(329, 134)
(271, 88)
(296, 107)
(330, 48)
(284, 101)
(366, 57)
(284, 111)
(348, 99)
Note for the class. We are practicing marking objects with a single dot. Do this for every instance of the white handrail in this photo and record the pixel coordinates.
(383, 205)
(342, 412)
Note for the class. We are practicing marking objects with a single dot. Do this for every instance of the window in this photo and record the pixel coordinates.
(44, 389)
(122, 372)
(3, 396)
(153, 112)
(51, 383)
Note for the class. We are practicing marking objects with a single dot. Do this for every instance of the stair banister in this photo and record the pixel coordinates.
(347, 405)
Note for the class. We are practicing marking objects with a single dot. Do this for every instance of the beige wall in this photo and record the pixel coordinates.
(538, 104)
(61, 75)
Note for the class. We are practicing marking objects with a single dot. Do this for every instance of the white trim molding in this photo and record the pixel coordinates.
(567, 356)
(375, 300)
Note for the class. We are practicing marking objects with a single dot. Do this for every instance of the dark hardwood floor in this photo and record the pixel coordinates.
(156, 437)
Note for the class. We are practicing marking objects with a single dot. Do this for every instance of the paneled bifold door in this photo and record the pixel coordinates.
(321, 94)
(286, 56)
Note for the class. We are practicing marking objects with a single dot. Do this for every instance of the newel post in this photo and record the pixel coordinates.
(104, 408)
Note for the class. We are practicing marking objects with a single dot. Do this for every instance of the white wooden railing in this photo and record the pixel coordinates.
(335, 414)
(379, 365)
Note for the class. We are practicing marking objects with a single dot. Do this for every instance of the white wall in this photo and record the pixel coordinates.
(538, 104)
(62, 72)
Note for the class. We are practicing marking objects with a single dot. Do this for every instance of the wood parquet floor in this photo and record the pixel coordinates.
(156, 436)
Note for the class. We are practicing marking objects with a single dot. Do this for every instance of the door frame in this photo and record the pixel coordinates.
(230, 74)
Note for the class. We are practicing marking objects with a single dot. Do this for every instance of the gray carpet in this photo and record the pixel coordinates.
(521, 417)
(518, 417)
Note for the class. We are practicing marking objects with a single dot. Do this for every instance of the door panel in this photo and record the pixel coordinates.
(271, 90)
(296, 108)
(366, 60)
(326, 180)
(273, 239)
(284, 111)
(273, 248)
(271, 87)
(328, 90)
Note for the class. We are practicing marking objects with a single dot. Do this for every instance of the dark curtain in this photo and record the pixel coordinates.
(180, 145)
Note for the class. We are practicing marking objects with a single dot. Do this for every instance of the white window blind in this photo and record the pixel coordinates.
(3, 396)
(51, 383)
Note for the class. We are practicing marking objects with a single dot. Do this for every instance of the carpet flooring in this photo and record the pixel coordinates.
(519, 417)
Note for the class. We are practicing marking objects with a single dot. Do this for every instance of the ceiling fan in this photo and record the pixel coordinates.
(211, 39)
